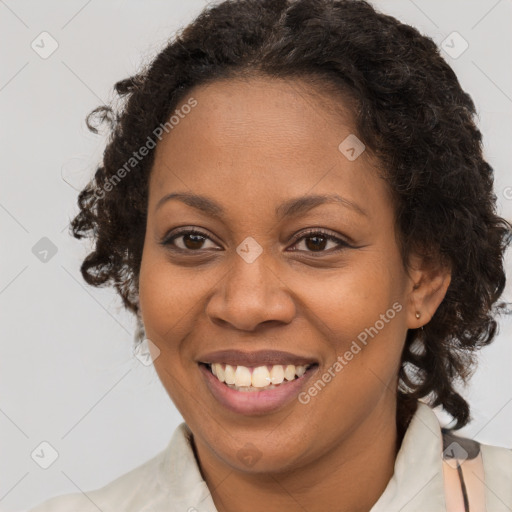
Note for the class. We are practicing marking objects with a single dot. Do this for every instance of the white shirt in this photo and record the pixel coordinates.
(171, 481)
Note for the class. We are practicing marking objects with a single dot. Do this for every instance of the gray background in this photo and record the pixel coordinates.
(67, 372)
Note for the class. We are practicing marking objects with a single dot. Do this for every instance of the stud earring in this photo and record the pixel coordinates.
(418, 314)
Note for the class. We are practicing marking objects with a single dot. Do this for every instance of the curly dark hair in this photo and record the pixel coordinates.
(409, 110)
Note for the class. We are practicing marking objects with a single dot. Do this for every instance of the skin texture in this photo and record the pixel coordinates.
(250, 145)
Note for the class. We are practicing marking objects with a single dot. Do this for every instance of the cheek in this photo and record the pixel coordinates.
(359, 315)
(159, 288)
(153, 294)
(166, 300)
(158, 295)
(171, 298)
(351, 300)
(361, 322)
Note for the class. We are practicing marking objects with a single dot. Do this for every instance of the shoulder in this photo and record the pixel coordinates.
(142, 481)
(77, 502)
(497, 467)
(497, 457)
(498, 476)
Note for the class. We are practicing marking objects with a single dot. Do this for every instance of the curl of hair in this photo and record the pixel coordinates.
(410, 112)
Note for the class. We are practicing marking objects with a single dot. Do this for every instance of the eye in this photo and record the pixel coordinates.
(192, 240)
(319, 239)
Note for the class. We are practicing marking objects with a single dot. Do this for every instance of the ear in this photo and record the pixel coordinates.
(427, 287)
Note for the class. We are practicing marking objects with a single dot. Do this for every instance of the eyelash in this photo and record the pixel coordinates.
(168, 242)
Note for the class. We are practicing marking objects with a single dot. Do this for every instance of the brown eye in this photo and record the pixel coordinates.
(191, 240)
(316, 241)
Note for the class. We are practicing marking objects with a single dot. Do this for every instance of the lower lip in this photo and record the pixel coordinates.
(256, 402)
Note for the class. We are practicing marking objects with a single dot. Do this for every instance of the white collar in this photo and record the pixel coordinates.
(417, 483)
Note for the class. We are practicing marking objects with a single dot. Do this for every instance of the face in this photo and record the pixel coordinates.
(270, 269)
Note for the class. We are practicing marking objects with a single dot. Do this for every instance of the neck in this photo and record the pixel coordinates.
(349, 478)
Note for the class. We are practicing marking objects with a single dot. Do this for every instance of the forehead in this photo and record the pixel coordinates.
(260, 108)
(261, 137)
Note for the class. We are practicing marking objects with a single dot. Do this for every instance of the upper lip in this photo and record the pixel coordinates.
(258, 358)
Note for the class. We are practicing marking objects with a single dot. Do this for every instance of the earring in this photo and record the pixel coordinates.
(418, 314)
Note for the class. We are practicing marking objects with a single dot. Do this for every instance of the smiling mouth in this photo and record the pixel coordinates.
(259, 378)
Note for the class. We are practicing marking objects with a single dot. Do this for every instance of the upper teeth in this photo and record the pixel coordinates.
(258, 377)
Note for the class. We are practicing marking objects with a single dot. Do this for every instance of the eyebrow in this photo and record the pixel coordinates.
(291, 207)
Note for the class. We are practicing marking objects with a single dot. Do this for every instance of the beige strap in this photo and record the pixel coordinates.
(464, 484)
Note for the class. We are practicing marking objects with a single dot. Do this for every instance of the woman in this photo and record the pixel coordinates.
(295, 205)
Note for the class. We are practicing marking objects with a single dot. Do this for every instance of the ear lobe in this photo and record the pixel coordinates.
(428, 289)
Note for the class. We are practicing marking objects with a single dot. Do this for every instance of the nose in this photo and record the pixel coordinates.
(251, 294)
